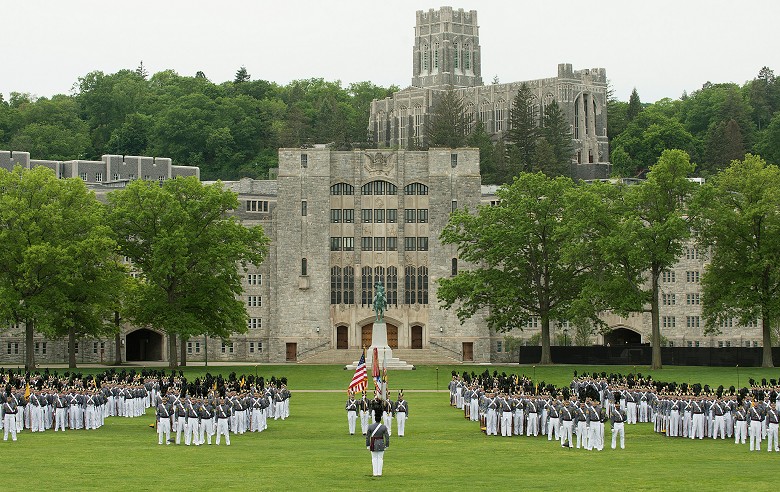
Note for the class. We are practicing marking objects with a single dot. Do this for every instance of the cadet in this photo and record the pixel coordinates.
(163, 421)
(771, 424)
(377, 440)
(351, 408)
(223, 415)
(9, 419)
(618, 419)
(401, 413)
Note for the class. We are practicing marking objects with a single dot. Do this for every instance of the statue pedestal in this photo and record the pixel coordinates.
(383, 352)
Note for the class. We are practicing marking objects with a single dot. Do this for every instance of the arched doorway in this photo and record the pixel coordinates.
(392, 335)
(622, 336)
(342, 337)
(417, 337)
(143, 344)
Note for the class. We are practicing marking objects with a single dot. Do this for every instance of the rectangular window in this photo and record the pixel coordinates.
(422, 244)
(692, 322)
(454, 205)
(668, 299)
(304, 208)
(693, 299)
(726, 323)
(94, 347)
(335, 244)
(669, 321)
(251, 347)
(691, 254)
(349, 216)
(410, 215)
(720, 344)
(454, 157)
(696, 343)
(391, 243)
(498, 346)
(690, 343)
(257, 205)
(254, 301)
(254, 323)
(379, 244)
(349, 243)
(392, 215)
(43, 348)
(379, 215)
(366, 243)
(189, 348)
(410, 244)
(37, 347)
(304, 160)
(668, 276)
(422, 215)
(366, 215)
(98, 177)
(532, 323)
(692, 276)
(76, 348)
(197, 347)
(259, 347)
(131, 177)
(254, 279)
(83, 176)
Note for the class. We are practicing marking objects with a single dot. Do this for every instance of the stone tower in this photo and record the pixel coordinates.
(446, 49)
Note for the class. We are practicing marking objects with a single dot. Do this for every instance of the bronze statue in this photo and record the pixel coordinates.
(380, 301)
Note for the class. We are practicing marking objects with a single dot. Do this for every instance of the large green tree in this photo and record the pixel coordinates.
(739, 212)
(523, 132)
(555, 132)
(55, 252)
(189, 250)
(524, 260)
(448, 125)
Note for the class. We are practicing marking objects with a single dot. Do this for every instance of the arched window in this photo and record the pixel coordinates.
(379, 276)
(415, 189)
(367, 287)
(349, 285)
(422, 285)
(425, 57)
(342, 189)
(410, 285)
(498, 116)
(379, 188)
(335, 285)
(456, 59)
(392, 286)
(467, 57)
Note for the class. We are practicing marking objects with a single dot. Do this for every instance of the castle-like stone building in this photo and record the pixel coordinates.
(447, 54)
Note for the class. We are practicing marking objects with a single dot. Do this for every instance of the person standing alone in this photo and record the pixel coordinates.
(377, 440)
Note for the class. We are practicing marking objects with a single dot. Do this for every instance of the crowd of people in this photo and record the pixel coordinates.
(362, 409)
(195, 410)
(513, 405)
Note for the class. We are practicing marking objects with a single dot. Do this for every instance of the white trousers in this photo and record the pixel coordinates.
(9, 425)
(755, 435)
(352, 420)
(740, 431)
(163, 429)
(771, 443)
(400, 418)
(619, 429)
(222, 430)
(377, 461)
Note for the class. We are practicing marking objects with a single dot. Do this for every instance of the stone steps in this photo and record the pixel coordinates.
(412, 356)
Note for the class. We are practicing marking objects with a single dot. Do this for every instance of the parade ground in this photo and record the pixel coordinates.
(312, 449)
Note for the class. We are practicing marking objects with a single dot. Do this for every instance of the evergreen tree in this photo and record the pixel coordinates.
(448, 124)
(480, 139)
(522, 133)
(634, 106)
(555, 130)
(141, 71)
(242, 75)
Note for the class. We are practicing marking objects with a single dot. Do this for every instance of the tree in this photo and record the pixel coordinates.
(54, 247)
(634, 106)
(769, 145)
(725, 143)
(523, 131)
(739, 212)
(526, 262)
(555, 130)
(448, 125)
(188, 251)
(241, 75)
(141, 71)
(651, 226)
(480, 139)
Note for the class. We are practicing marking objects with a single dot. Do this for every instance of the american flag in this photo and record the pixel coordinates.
(375, 371)
(360, 379)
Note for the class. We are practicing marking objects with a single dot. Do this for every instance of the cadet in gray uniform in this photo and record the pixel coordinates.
(618, 419)
(377, 440)
(401, 413)
(9, 419)
(351, 408)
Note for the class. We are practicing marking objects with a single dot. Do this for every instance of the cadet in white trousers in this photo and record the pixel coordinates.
(377, 440)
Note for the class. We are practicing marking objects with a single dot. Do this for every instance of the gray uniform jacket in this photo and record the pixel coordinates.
(380, 438)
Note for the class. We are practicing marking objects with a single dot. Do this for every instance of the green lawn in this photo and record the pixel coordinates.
(441, 451)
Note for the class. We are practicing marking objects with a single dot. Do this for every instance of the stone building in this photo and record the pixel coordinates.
(447, 53)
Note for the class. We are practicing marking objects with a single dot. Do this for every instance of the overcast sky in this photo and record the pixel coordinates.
(661, 47)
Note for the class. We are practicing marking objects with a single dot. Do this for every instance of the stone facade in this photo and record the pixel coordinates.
(447, 54)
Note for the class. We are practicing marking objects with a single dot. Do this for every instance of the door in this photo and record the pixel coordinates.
(392, 336)
(417, 337)
(342, 337)
(292, 352)
(468, 351)
(366, 335)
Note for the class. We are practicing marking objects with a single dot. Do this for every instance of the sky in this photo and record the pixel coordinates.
(661, 47)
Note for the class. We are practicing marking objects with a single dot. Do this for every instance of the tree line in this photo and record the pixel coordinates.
(63, 268)
(558, 249)
(230, 130)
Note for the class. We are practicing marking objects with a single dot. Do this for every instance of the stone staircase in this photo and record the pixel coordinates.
(412, 356)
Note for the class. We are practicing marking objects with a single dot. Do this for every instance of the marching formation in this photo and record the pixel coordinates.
(363, 409)
(196, 410)
(513, 405)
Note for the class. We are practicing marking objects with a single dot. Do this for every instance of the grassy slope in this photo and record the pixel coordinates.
(441, 450)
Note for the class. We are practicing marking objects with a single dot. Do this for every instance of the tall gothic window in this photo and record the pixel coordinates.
(379, 276)
(436, 55)
(467, 57)
(349, 285)
(410, 285)
(392, 286)
(456, 60)
(335, 285)
(422, 285)
(367, 287)
(425, 57)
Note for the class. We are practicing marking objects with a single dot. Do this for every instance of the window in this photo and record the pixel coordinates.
(696, 343)
(391, 243)
(422, 244)
(40, 348)
(690, 343)
(454, 267)
(669, 321)
(410, 216)
(498, 116)
(668, 299)
(335, 285)
(425, 57)
(392, 286)
(147, 177)
(342, 189)
(251, 347)
(254, 279)
(13, 348)
(379, 275)
(692, 322)
(422, 215)
(94, 347)
(422, 285)
(415, 189)
(410, 244)
(392, 216)
(349, 243)
(410, 285)
(254, 301)
(161, 179)
(668, 276)
(671, 343)
(349, 215)
(115, 176)
(726, 323)
(227, 347)
(379, 216)
(720, 344)
(379, 244)
(692, 276)
(367, 287)
(189, 348)
(693, 299)
(349, 285)
(304, 208)
(335, 243)
(532, 323)
(254, 323)
(366, 243)
(304, 267)
(498, 346)
(304, 160)
(752, 323)
(755, 343)
(454, 205)
(454, 160)
(131, 177)
(436, 55)
(467, 57)
(379, 188)
(367, 215)
(257, 205)
(76, 348)
(691, 254)
(83, 176)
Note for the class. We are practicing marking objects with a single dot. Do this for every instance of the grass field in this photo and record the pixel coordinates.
(441, 451)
